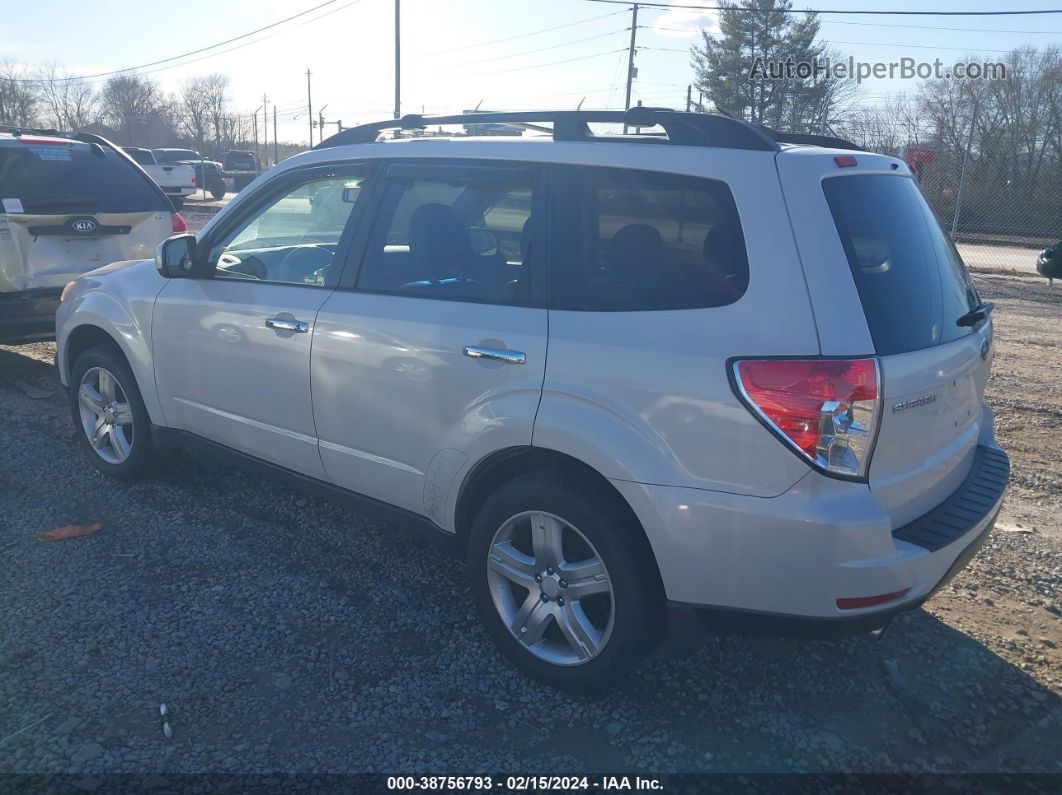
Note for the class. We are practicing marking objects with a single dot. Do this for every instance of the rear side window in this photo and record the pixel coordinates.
(60, 178)
(911, 280)
(141, 156)
(171, 156)
(638, 240)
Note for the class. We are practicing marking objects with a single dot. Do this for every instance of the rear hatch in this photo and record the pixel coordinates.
(885, 279)
(69, 207)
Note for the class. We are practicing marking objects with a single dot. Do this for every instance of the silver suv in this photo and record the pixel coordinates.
(717, 370)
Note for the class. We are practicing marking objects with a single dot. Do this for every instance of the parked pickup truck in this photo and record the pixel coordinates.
(240, 169)
(176, 180)
(208, 173)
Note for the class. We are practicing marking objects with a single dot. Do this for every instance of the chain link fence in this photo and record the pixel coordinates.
(1001, 212)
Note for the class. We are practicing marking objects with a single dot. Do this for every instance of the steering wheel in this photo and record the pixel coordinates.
(301, 261)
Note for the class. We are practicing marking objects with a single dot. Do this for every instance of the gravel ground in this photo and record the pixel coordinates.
(285, 634)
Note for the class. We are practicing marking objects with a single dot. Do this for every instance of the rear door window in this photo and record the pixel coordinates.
(911, 280)
(54, 179)
(624, 240)
(455, 232)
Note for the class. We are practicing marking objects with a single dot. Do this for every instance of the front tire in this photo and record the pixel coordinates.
(564, 582)
(112, 424)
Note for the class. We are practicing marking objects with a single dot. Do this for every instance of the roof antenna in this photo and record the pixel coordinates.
(580, 105)
(477, 106)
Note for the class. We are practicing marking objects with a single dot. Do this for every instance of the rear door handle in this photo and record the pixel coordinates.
(495, 354)
(283, 324)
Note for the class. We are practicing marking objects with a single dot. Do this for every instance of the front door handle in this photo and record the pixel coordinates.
(495, 354)
(283, 324)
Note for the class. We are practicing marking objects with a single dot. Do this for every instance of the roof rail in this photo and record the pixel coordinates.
(33, 131)
(827, 141)
(687, 129)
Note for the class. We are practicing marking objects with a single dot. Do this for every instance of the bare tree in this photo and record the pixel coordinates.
(128, 102)
(193, 109)
(216, 87)
(19, 95)
(72, 103)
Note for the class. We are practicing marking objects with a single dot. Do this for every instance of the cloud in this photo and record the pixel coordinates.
(685, 22)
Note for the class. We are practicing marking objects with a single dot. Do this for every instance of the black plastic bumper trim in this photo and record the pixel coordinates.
(976, 498)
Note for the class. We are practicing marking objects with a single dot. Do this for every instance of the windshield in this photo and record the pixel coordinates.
(57, 179)
(911, 280)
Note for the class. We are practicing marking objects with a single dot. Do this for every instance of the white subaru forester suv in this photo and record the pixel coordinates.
(714, 370)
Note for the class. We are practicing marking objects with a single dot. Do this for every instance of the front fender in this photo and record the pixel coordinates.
(128, 323)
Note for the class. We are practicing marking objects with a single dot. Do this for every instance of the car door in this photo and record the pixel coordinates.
(432, 352)
(232, 346)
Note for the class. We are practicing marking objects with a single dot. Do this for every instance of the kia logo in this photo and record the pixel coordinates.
(84, 225)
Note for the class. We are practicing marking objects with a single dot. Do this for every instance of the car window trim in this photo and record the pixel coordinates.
(268, 193)
(539, 265)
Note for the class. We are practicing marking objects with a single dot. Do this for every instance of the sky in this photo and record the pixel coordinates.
(499, 54)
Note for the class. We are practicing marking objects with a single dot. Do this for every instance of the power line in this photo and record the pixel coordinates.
(937, 27)
(542, 65)
(249, 43)
(185, 55)
(540, 49)
(523, 35)
(867, 44)
(1023, 12)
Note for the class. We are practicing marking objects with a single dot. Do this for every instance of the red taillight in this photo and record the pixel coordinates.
(827, 409)
(870, 601)
(845, 161)
(177, 224)
(193, 180)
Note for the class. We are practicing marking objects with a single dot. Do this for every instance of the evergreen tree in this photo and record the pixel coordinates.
(733, 70)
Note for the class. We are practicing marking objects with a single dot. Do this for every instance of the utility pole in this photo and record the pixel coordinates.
(276, 150)
(689, 98)
(309, 107)
(257, 151)
(962, 172)
(630, 60)
(265, 127)
(398, 62)
(700, 102)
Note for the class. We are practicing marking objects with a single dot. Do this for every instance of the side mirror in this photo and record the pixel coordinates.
(176, 257)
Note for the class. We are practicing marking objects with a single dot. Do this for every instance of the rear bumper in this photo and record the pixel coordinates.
(28, 316)
(186, 191)
(780, 564)
(749, 622)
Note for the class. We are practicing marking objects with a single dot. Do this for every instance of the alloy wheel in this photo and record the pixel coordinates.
(551, 588)
(106, 416)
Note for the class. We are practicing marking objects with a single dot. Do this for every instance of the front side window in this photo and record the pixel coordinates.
(449, 232)
(294, 238)
(627, 240)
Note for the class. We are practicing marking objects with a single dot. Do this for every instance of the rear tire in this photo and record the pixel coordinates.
(112, 424)
(564, 582)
